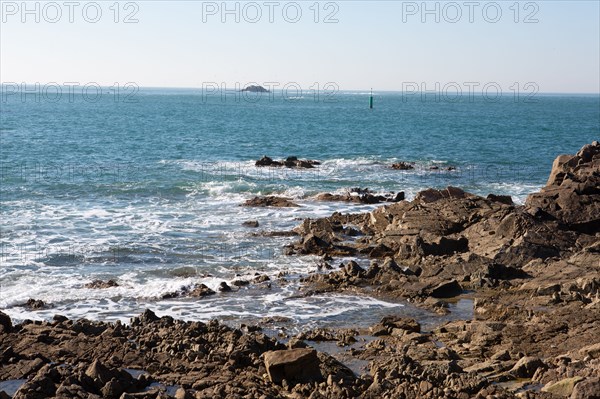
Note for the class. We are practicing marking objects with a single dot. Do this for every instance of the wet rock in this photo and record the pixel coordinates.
(261, 278)
(35, 304)
(289, 162)
(200, 291)
(100, 284)
(402, 166)
(270, 201)
(361, 196)
(293, 365)
(5, 323)
(224, 287)
(251, 223)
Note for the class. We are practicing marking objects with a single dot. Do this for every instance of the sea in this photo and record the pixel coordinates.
(145, 189)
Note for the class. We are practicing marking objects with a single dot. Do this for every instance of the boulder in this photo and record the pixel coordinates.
(526, 367)
(250, 223)
(293, 365)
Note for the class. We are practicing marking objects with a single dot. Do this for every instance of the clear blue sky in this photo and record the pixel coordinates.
(379, 44)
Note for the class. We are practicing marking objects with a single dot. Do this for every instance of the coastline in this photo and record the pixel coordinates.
(532, 269)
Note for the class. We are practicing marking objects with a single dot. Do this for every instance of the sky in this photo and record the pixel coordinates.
(546, 46)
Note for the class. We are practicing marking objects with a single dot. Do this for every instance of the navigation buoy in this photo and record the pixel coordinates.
(371, 100)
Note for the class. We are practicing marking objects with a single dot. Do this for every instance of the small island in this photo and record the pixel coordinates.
(255, 89)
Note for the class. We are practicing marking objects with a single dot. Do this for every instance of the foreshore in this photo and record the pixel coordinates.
(533, 271)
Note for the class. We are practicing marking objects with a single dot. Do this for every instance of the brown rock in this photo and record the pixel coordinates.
(587, 389)
(293, 365)
(278, 202)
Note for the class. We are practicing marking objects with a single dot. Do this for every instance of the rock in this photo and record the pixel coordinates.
(563, 387)
(34, 304)
(592, 351)
(293, 365)
(250, 223)
(572, 193)
(200, 291)
(262, 278)
(447, 290)
(526, 367)
(432, 195)
(278, 202)
(182, 394)
(587, 389)
(361, 196)
(402, 166)
(289, 162)
(224, 287)
(503, 199)
(99, 284)
(5, 323)
(255, 89)
(402, 323)
(353, 269)
(240, 283)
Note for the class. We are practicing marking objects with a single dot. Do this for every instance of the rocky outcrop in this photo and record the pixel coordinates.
(572, 193)
(403, 166)
(361, 196)
(278, 202)
(289, 162)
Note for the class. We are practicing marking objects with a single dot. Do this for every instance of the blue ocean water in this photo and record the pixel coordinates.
(147, 191)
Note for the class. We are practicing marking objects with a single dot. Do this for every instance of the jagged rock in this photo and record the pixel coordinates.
(278, 202)
(35, 304)
(572, 193)
(99, 284)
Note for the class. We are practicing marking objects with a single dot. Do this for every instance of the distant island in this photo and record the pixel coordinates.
(256, 89)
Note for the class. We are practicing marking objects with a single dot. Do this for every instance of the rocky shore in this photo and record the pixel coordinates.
(533, 272)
